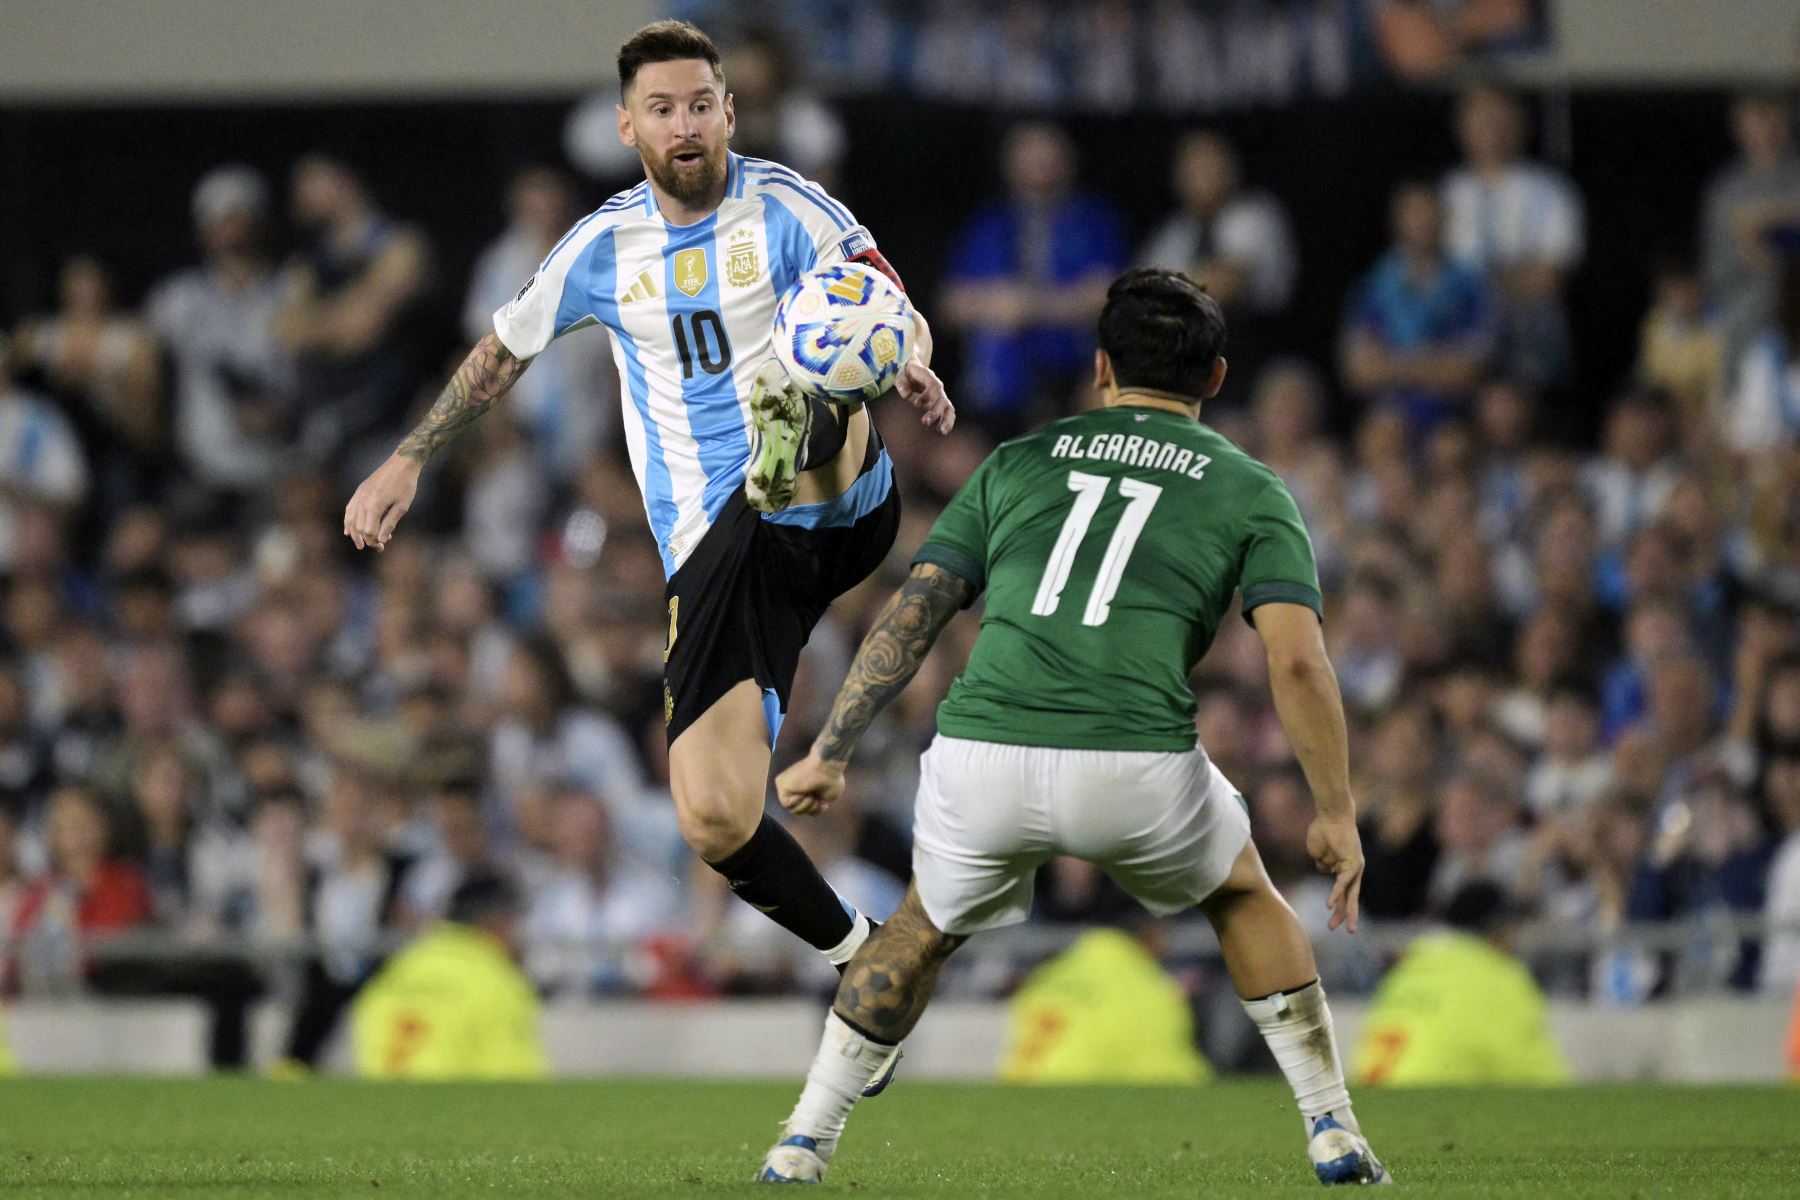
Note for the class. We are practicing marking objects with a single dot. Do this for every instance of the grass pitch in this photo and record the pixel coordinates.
(249, 1138)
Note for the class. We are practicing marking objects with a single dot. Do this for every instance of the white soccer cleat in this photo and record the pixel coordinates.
(885, 1076)
(780, 419)
(1341, 1156)
(794, 1159)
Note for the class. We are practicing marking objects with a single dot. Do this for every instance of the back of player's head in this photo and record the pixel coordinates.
(483, 895)
(1161, 331)
(666, 41)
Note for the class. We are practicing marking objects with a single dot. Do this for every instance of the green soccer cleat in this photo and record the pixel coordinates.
(781, 419)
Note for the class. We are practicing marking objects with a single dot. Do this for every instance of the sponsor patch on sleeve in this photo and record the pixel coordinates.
(529, 284)
(858, 242)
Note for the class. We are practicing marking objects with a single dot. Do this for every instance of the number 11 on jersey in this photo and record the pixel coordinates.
(1089, 491)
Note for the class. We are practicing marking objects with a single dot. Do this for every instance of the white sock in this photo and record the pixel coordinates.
(846, 1063)
(846, 950)
(1297, 1027)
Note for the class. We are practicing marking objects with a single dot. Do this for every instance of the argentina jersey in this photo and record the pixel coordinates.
(690, 310)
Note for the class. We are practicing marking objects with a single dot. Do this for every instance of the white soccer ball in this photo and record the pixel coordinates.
(843, 332)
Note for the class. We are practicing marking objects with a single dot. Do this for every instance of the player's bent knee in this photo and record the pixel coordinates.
(716, 825)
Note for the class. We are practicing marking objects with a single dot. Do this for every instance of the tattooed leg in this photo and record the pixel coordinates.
(891, 979)
(879, 1001)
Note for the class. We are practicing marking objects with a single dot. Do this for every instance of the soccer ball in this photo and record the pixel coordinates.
(843, 332)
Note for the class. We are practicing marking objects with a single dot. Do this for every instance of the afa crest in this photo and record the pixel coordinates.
(742, 264)
(690, 271)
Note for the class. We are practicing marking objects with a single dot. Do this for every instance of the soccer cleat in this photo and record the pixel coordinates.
(780, 419)
(885, 1076)
(794, 1159)
(1340, 1156)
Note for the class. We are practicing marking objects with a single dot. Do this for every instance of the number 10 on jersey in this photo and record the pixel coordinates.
(1089, 491)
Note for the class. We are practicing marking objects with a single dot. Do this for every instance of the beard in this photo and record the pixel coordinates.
(688, 184)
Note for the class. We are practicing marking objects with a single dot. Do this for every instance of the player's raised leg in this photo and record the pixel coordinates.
(718, 770)
(881, 997)
(1271, 964)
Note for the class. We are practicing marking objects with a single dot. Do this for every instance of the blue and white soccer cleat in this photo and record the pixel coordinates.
(885, 1076)
(780, 419)
(1340, 1156)
(794, 1159)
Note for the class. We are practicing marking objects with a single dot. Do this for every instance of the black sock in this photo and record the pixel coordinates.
(772, 873)
(825, 436)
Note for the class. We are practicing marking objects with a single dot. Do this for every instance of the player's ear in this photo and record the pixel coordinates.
(627, 134)
(1217, 379)
(730, 117)
(1103, 372)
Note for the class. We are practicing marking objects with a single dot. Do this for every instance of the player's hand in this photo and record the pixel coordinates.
(920, 387)
(1336, 849)
(810, 786)
(381, 501)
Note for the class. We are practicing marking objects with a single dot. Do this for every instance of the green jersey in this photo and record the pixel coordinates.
(1110, 545)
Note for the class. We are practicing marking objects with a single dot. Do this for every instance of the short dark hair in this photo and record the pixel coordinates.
(666, 41)
(1161, 331)
(483, 894)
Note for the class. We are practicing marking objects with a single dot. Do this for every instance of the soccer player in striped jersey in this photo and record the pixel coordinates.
(765, 506)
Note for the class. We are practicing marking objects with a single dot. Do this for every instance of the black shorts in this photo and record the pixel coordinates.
(745, 601)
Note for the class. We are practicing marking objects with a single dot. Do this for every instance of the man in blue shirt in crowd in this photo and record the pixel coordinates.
(1027, 281)
(1420, 330)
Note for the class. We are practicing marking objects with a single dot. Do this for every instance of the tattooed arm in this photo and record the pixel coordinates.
(889, 658)
(384, 497)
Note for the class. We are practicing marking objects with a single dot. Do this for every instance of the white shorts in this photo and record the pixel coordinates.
(1167, 826)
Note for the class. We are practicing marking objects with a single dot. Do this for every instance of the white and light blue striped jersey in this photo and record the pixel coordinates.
(691, 310)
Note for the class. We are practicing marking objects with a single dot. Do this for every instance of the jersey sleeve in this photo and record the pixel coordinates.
(837, 236)
(562, 295)
(958, 541)
(1278, 555)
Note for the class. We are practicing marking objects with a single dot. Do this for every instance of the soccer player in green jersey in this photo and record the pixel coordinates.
(1110, 545)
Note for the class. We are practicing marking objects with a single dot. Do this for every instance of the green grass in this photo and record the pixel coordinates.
(242, 1137)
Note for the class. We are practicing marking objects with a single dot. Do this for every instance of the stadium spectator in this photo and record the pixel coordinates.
(453, 1004)
(101, 363)
(1459, 1009)
(544, 734)
(1522, 223)
(355, 881)
(1572, 771)
(1236, 241)
(1679, 350)
(459, 849)
(778, 117)
(1420, 330)
(42, 465)
(591, 901)
(1763, 414)
(1026, 281)
(1631, 480)
(1744, 201)
(86, 892)
(347, 313)
(1780, 798)
(567, 403)
(1478, 835)
(1399, 843)
(232, 380)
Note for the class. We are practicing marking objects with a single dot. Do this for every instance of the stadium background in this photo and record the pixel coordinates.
(142, 587)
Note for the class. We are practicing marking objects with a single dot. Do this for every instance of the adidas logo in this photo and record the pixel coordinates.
(644, 289)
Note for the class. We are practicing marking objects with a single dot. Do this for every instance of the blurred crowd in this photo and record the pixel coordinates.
(1572, 673)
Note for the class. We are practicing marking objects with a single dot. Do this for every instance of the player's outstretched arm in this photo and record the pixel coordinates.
(920, 386)
(889, 657)
(384, 497)
(1312, 714)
